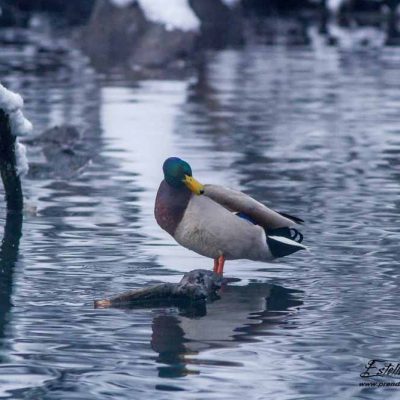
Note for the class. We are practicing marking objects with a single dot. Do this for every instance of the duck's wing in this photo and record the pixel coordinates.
(236, 201)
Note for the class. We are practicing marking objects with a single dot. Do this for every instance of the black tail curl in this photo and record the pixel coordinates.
(290, 233)
(293, 218)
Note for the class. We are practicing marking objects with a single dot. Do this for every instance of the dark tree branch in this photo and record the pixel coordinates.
(8, 166)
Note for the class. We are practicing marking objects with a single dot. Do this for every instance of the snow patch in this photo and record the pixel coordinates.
(174, 14)
(20, 157)
(11, 103)
(20, 126)
(334, 5)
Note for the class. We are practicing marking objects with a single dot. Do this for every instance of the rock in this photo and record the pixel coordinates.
(112, 34)
(59, 135)
(159, 48)
(64, 153)
(221, 25)
(288, 31)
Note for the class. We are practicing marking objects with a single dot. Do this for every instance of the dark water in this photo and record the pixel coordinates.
(310, 131)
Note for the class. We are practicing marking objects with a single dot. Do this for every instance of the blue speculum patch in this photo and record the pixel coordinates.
(246, 217)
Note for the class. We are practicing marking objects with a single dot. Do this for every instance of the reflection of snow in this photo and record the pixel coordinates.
(12, 103)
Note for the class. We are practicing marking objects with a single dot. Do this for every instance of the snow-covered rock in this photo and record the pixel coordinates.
(173, 14)
(159, 38)
(176, 14)
(149, 37)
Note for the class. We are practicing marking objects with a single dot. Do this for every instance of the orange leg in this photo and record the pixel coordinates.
(215, 265)
(221, 262)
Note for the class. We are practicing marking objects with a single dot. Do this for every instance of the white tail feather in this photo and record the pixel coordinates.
(286, 240)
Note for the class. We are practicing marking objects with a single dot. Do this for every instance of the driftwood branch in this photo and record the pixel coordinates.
(8, 166)
(195, 287)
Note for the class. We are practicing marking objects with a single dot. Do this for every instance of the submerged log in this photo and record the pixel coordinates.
(195, 286)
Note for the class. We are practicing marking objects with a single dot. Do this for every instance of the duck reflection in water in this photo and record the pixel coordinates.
(239, 315)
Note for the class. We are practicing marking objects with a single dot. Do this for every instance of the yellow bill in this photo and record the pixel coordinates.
(193, 185)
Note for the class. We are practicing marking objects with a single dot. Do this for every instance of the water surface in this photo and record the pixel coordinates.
(310, 131)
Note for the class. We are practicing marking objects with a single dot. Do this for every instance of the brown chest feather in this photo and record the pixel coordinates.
(170, 206)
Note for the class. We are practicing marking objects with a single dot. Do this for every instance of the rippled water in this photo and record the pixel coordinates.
(310, 131)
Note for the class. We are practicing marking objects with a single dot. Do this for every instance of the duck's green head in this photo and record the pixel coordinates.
(177, 173)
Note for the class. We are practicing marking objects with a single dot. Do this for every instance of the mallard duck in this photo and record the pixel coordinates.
(221, 223)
